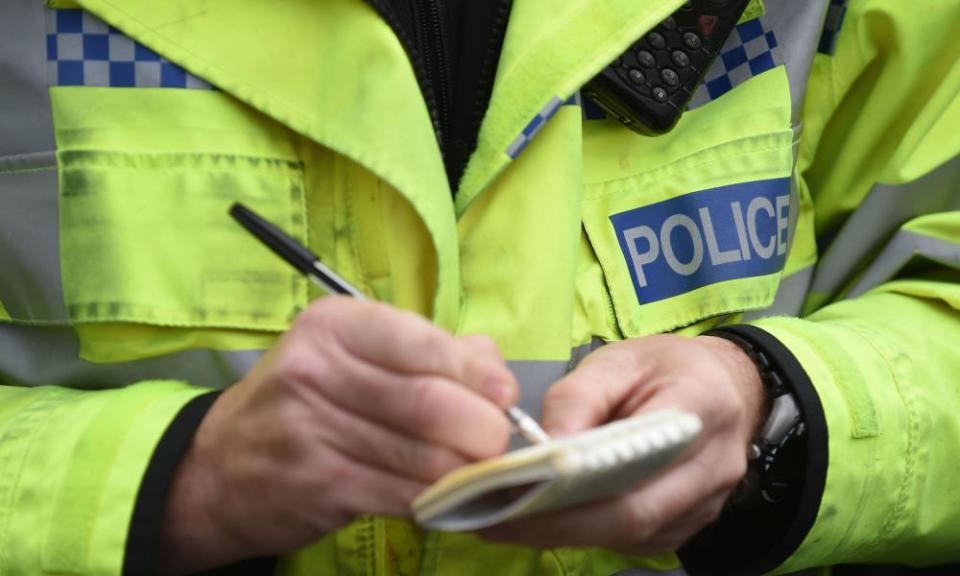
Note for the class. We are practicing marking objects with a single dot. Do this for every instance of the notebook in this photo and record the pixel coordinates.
(591, 465)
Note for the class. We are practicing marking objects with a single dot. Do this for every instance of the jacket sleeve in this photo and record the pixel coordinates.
(83, 474)
(878, 344)
(885, 370)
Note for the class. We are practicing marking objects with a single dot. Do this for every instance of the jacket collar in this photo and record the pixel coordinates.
(550, 51)
(331, 71)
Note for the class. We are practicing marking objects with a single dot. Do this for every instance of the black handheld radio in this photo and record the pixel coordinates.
(650, 85)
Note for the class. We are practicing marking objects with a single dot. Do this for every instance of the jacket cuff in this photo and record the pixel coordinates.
(151, 498)
(73, 462)
(743, 542)
(143, 537)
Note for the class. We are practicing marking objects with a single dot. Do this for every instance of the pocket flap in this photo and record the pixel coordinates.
(696, 223)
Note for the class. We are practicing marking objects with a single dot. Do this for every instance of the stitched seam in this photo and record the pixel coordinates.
(28, 170)
(660, 171)
(709, 309)
(284, 112)
(863, 493)
(909, 470)
(25, 423)
(33, 162)
(90, 512)
(501, 158)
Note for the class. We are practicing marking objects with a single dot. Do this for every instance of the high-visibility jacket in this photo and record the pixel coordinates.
(811, 195)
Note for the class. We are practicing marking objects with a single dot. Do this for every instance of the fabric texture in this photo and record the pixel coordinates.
(339, 143)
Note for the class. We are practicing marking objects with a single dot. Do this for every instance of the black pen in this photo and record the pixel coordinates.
(310, 265)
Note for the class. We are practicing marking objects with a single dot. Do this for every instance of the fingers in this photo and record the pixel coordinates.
(485, 372)
(426, 408)
(407, 343)
(664, 512)
(379, 447)
(644, 375)
(591, 394)
(626, 523)
(393, 339)
(363, 489)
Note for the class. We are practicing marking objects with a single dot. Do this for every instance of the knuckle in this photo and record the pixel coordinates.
(483, 344)
(334, 314)
(322, 310)
(296, 367)
(430, 463)
(438, 343)
(425, 404)
(427, 340)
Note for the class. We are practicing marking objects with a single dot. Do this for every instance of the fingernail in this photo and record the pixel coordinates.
(498, 391)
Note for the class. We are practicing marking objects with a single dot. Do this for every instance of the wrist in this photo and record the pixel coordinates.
(194, 532)
(745, 376)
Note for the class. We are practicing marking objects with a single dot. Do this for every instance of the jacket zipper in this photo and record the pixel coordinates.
(417, 60)
(480, 100)
(433, 49)
(491, 59)
(427, 47)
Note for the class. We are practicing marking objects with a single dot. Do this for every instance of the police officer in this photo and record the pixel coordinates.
(788, 253)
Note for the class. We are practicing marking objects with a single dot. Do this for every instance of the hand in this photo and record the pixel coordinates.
(355, 411)
(708, 376)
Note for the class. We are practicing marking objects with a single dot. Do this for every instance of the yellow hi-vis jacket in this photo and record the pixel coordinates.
(812, 196)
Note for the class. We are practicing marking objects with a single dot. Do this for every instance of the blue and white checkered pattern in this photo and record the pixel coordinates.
(83, 50)
(751, 50)
(539, 121)
(832, 26)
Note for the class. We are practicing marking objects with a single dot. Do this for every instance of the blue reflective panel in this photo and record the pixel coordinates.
(684, 243)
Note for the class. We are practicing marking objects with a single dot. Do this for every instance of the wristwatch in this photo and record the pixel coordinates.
(776, 454)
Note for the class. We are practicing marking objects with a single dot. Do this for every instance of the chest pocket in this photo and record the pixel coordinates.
(696, 223)
(145, 238)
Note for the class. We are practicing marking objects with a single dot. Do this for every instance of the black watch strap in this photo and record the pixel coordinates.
(756, 540)
(769, 477)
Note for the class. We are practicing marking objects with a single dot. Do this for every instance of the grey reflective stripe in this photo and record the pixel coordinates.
(25, 121)
(884, 210)
(30, 287)
(536, 376)
(792, 291)
(791, 294)
(798, 25)
(27, 162)
(793, 215)
(899, 251)
(38, 356)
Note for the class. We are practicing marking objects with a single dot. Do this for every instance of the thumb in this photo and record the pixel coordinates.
(593, 394)
(575, 403)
